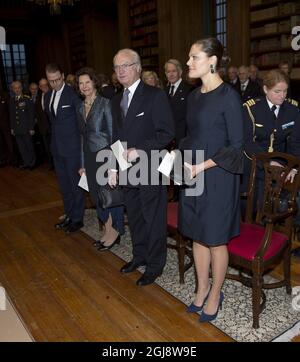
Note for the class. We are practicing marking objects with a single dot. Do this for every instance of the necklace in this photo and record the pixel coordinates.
(89, 103)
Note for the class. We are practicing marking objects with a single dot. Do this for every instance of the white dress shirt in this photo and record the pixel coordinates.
(57, 98)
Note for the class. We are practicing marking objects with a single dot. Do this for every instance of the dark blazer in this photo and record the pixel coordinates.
(148, 124)
(41, 115)
(178, 105)
(96, 129)
(108, 91)
(253, 90)
(65, 135)
(236, 85)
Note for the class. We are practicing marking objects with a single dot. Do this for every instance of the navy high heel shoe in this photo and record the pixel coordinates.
(193, 308)
(210, 317)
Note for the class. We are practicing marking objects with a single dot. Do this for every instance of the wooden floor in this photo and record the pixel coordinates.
(64, 290)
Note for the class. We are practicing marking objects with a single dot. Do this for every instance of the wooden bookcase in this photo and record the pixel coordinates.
(271, 23)
(77, 41)
(143, 30)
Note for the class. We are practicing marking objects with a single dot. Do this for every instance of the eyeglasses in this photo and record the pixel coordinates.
(54, 81)
(123, 66)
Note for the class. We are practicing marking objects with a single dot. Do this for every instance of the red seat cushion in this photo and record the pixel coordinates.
(172, 215)
(247, 244)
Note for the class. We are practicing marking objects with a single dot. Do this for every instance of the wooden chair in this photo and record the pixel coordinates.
(265, 242)
(183, 245)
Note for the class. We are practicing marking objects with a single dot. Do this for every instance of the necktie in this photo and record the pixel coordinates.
(42, 101)
(52, 105)
(273, 109)
(243, 87)
(124, 101)
(171, 90)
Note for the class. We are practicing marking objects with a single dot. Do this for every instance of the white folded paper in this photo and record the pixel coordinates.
(167, 164)
(83, 182)
(118, 151)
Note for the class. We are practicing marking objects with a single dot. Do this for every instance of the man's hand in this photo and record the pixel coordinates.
(12, 132)
(31, 132)
(81, 171)
(112, 178)
(130, 155)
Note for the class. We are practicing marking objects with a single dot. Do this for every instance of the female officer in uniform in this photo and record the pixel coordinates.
(272, 124)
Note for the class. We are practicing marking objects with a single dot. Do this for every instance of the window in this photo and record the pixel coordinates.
(221, 21)
(14, 62)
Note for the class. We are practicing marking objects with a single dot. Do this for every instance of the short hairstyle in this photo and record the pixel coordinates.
(135, 57)
(274, 77)
(53, 68)
(174, 62)
(91, 73)
(212, 47)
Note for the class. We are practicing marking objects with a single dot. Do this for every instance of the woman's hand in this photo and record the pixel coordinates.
(81, 171)
(275, 163)
(193, 170)
(290, 177)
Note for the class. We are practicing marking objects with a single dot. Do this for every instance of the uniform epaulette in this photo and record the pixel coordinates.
(251, 102)
(293, 102)
(26, 96)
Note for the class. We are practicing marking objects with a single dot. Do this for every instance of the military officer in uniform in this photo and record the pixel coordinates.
(272, 123)
(22, 124)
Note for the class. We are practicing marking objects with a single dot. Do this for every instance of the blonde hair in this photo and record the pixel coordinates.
(150, 73)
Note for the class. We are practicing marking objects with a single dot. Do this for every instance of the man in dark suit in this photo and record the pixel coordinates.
(42, 119)
(142, 118)
(233, 78)
(60, 105)
(177, 91)
(248, 88)
(21, 112)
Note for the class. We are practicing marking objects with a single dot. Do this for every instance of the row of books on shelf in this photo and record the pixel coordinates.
(146, 52)
(260, 2)
(150, 62)
(143, 30)
(143, 8)
(143, 19)
(135, 2)
(283, 41)
(149, 39)
(281, 26)
(288, 8)
(273, 59)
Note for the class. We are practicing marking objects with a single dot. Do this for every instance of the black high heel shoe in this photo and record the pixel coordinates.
(193, 308)
(103, 247)
(97, 243)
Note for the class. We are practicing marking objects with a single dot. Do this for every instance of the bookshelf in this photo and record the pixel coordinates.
(77, 41)
(271, 23)
(143, 31)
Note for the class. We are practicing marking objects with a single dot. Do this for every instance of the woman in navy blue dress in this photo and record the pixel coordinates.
(214, 125)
